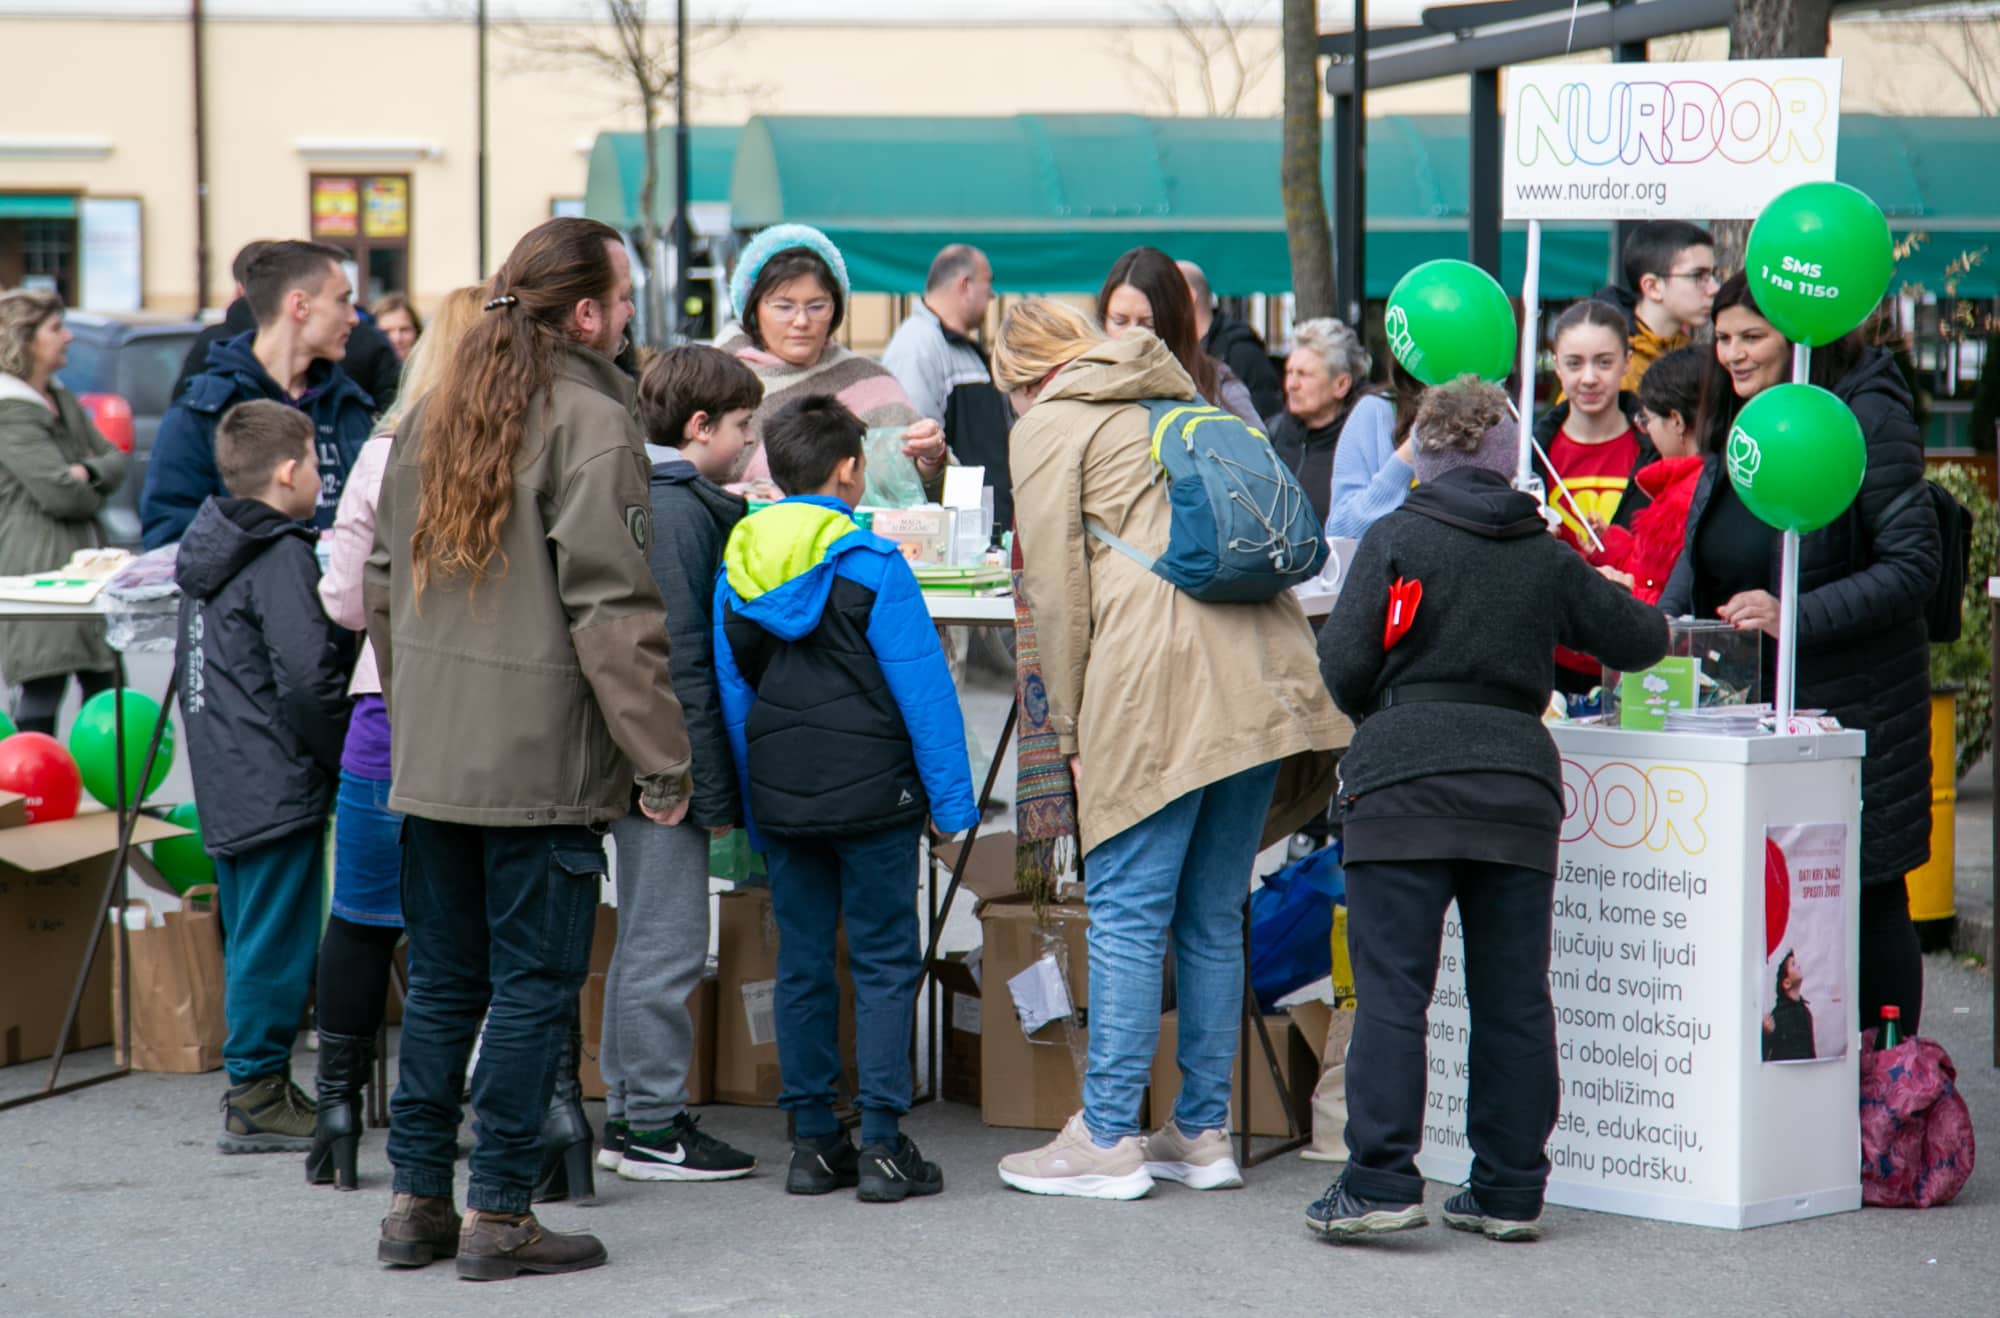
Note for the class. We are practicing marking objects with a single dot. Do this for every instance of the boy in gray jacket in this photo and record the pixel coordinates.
(696, 402)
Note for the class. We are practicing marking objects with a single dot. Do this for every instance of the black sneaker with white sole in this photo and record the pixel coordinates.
(682, 1151)
(823, 1165)
(1342, 1214)
(1463, 1212)
(891, 1174)
(617, 1133)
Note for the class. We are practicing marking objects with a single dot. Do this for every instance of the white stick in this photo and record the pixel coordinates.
(1788, 631)
(1531, 337)
(1788, 589)
(1535, 448)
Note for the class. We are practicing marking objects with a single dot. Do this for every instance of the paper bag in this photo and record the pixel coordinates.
(176, 974)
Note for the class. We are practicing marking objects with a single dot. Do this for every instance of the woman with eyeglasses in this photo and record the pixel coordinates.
(790, 292)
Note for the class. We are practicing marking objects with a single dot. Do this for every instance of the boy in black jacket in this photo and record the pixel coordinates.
(264, 703)
(697, 402)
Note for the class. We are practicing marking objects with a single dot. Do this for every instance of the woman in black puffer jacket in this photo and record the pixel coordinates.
(1863, 583)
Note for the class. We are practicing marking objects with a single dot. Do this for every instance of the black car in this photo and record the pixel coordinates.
(120, 363)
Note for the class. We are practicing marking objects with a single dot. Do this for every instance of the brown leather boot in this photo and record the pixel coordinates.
(418, 1231)
(499, 1246)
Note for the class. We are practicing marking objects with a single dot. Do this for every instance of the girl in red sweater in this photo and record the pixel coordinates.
(1686, 405)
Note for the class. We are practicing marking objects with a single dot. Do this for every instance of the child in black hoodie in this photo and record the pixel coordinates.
(264, 705)
(695, 401)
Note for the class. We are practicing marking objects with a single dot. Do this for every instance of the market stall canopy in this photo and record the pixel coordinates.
(618, 172)
(1054, 199)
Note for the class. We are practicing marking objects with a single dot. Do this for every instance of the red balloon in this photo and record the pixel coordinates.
(36, 765)
(1777, 894)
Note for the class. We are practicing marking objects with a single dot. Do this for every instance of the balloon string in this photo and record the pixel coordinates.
(1569, 45)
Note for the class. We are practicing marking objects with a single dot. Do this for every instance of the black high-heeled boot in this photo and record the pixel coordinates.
(568, 1143)
(344, 1061)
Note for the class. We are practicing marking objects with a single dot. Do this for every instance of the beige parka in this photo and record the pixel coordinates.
(1156, 692)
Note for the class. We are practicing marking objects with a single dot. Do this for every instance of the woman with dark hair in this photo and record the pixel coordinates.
(1788, 1029)
(399, 323)
(55, 470)
(1863, 653)
(1681, 398)
(790, 291)
(522, 648)
(1146, 290)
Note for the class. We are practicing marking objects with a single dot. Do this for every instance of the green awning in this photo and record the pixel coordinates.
(1054, 199)
(36, 206)
(618, 170)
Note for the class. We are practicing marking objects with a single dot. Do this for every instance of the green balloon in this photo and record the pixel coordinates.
(1796, 456)
(7, 728)
(1450, 318)
(93, 744)
(1819, 260)
(181, 860)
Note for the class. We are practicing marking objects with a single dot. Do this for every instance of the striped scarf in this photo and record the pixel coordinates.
(864, 385)
(1045, 799)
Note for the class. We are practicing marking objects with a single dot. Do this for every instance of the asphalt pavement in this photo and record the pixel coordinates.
(114, 1200)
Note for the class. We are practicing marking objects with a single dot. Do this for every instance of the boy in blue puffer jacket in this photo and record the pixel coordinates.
(847, 734)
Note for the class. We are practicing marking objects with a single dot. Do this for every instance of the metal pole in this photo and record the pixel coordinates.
(1625, 52)
(1788, 589)
(1483, 224)
(1357, 190)
(1531, 333)
(481, 244)
(196, 28)
(683, 235)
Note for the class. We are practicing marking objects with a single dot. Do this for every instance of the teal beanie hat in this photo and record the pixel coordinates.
(758, 252)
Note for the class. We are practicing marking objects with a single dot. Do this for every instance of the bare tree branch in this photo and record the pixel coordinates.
(1217, 45)
(1968, 47)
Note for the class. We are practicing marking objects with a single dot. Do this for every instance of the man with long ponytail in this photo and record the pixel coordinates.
(523, 654)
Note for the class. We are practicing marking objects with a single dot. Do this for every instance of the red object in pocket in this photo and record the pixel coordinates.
(1404, 597)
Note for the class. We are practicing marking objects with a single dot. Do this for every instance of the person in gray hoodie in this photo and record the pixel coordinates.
(263, 684)
(1441, 648)
(695, 404)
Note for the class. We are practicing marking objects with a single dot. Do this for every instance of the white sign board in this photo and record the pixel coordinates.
(1657, 971)
(1702, 141)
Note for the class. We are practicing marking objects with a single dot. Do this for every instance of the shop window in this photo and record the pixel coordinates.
(368, 217)
(38, 244)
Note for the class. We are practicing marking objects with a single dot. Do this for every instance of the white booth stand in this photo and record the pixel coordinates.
(1662, 980)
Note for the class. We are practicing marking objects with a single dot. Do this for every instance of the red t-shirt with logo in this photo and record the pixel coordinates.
(1597, 476)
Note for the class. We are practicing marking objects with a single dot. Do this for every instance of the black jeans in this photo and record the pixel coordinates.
(1892, 960)
(499, 918)
(42, 697)
(1395, 915)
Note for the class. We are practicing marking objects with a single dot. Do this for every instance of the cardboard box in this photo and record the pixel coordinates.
(962, 1017)
(1267, 1109)
(1029, 1081)
(51, 879)
(590, 1023)
(746, 1020)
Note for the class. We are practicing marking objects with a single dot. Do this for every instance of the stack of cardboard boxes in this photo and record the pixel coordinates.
(51, 878)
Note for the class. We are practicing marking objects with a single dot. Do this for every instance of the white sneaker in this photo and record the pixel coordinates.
(1206, 1162)
(1072, 1164)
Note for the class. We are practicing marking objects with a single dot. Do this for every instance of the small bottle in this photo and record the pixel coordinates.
(1891, 1032)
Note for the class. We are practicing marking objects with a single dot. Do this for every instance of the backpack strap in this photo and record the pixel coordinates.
(1097, 532)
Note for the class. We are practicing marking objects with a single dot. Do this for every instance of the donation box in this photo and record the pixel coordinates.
(1703, 971)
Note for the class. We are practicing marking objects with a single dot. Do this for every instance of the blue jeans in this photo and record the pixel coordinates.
(1186, 868)
(499, 918)
(870, 882)
(270, 905)
(367, 852)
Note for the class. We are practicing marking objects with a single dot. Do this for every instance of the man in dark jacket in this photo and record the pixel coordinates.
(1235, 344)
(371, 361)
(264, 708)
(1452, 790)
(934, 356)
(305, 316)
(694, 405)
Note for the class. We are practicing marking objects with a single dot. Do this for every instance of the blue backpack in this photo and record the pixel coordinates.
(1243, 529)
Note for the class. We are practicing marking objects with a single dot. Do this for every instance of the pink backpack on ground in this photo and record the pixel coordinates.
(1916, 1134)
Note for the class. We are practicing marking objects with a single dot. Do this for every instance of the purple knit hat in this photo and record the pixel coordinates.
(1498, 451)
